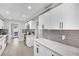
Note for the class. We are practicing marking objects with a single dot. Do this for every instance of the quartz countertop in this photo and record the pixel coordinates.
(59, 48)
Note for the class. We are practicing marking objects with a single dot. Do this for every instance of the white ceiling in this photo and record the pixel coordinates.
(20, 11)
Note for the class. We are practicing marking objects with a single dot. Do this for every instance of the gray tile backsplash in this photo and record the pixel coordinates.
(71, 36)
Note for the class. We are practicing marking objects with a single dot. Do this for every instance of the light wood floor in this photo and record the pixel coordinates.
(17, 48)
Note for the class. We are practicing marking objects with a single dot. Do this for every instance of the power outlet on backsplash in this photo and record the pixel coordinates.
(63, 37)
(69, 37)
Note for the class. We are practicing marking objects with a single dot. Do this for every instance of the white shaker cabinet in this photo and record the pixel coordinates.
(64, 16)
(1, 24)
(37, 49)
(48, 19)
(40, 50)
(30, 40)
(51, 19)
(2, 44)
(70, 16)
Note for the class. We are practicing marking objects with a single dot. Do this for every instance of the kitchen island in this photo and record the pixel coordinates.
(3, 43)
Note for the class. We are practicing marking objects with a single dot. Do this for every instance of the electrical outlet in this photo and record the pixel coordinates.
(63, 37)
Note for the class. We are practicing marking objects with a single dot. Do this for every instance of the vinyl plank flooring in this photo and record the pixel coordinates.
(17, 48)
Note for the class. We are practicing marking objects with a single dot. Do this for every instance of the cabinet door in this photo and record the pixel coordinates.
(1, 24)
(46, 52)
(48, 20)
(70, 16)
(40, 50)
(51, 18)
(30, 40)
(37, 49)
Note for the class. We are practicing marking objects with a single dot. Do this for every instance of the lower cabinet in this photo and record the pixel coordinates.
(30, 40)
(2, 45)
(40, 50)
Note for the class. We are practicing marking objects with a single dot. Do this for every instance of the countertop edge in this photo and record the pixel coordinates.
(73, 51)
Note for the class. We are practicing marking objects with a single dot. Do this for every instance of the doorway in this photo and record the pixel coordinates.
(14, 30)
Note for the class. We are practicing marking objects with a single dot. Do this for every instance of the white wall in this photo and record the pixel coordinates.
(8, 26)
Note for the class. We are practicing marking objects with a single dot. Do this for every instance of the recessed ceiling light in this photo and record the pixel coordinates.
(29, 7)
(7, 12)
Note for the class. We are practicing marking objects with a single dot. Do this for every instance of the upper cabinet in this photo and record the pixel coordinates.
(51, 19)
(64, 16)
(31, 24)
(1, 24)
(70, 16)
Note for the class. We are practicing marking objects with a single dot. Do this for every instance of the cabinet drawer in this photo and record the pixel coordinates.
(37, 49)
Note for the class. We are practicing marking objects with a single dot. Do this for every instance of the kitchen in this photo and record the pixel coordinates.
(39, 29)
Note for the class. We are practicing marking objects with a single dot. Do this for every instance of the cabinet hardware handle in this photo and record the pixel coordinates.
(61, 25)
(52, 55)
(37, 50)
